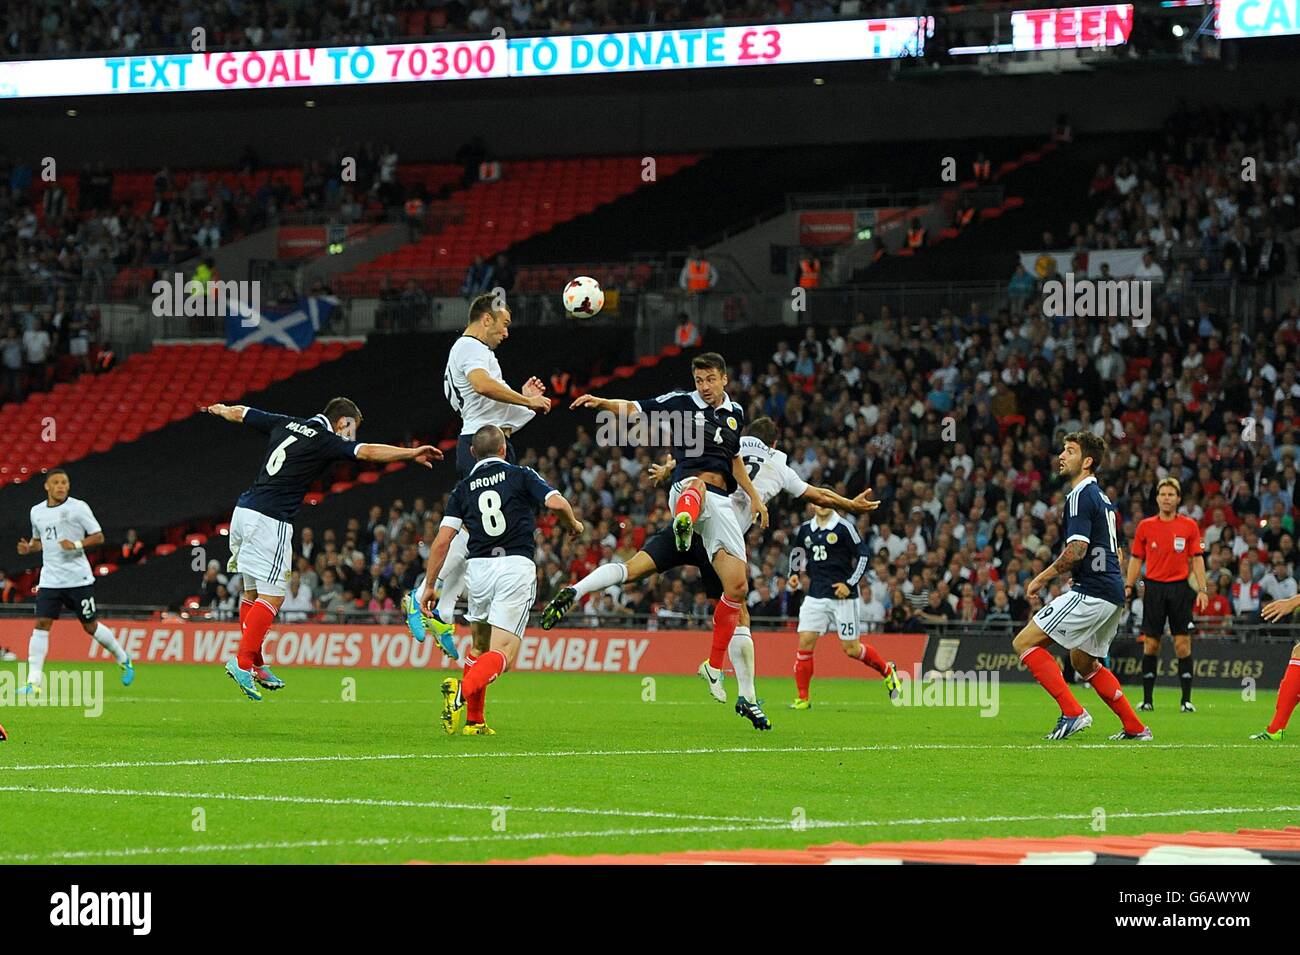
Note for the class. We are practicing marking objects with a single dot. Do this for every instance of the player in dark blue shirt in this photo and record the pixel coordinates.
(829, 549)
(497, 504)
(298, 451)
(704, 427)
(1083, 619)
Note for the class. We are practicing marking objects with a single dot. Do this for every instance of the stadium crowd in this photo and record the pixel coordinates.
(51, 28)
(1216, 201)
(955, 425)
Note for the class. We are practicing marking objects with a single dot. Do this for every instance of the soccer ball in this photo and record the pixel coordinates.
(583, 297)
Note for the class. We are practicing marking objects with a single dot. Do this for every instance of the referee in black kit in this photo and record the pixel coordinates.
(1170, 545)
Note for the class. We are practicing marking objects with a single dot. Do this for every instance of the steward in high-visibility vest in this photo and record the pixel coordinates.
(810, 272)
(697, 275)
(983, 169)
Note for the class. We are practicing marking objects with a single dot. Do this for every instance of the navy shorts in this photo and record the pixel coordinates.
(663, 551)
(50, 602)
(465, 456)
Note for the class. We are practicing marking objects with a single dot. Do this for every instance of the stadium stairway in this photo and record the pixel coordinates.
(531, 197)
(1052, 192)
(397, 381)
(732, 189)
(143, 394)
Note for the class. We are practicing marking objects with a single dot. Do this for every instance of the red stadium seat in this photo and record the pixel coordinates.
(162, 550)
(313, 498)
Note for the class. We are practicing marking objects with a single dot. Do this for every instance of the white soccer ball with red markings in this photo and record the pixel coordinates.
(583, 297)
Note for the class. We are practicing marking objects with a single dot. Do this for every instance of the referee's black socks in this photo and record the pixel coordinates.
(1150, 661)
(1185, 677)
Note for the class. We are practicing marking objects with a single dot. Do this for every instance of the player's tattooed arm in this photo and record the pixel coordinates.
(1073, 553)
(757, 509)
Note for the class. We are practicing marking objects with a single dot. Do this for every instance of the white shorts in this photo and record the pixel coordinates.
(502, 591)
(823, 614)
(1079, 622)
(261, 549)
(717, 527)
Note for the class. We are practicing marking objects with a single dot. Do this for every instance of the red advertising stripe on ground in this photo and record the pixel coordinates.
(1000, 851)
(594, 650)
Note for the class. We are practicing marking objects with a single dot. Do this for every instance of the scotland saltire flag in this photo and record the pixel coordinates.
(294, 328)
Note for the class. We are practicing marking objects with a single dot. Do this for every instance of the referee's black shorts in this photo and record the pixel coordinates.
(1167, 601)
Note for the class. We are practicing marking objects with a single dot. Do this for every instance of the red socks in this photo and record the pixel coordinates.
(725, 617)
(256, 621)
(872, 658)
(486, 669)
(1288, 695)
(689, 502)
(1107, 687)
(1049, 676)
(803, 671)
(246, 605)
(474, 705)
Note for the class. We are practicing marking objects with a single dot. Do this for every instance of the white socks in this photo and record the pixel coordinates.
(606, 575)
(452, 581)
(37, 647)
(104, 637)
(741, 651)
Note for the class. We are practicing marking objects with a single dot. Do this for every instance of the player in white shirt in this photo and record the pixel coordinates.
(771, 475)
(474, 386)
(62, 528)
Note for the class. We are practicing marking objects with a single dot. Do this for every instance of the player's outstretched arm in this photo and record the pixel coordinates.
(825, 497)
(232, 413)
(489, 387)
(425, 454)
(619, 406)
(1280, 608)
(556, 501)
(757, 509)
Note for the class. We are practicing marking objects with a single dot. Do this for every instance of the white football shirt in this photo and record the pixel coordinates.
(474, 409)
(73, 521)
(770, 473)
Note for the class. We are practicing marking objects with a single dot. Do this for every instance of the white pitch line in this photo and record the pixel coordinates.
(696, 751)
(382, 803)
(617, 833)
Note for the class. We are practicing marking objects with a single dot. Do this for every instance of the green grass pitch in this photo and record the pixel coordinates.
(180, 768)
